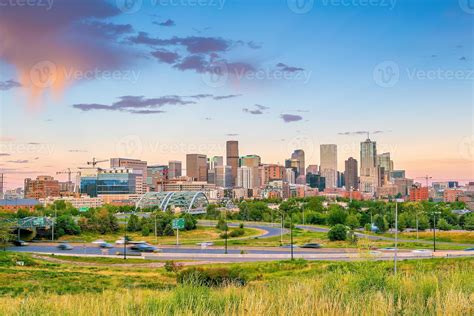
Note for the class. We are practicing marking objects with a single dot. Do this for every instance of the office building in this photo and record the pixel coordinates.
(245, 177)
(174, 169)
(223, 176)
(369, 172)
(290, 176)
(41, 187)
(113, 181)
(250, 161)
(196, 167)
(216, 161)
(157, 175)
(314, 169)
(316, 181)
(232, 154)
(298, 156)
(418, 193)
(130, 164)
(397, 174)
(328, 164)
(351, 174)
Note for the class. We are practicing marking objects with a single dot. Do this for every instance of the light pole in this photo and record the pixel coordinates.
(291, 235)
(434, 228)
(226, 230)
(54, 220)
(396, 235)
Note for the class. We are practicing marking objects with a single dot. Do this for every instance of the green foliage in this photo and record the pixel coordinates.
(337, 215)
(6, 229)
(212, 277)
(352, 221)
(172, 266)
(65, 225)
(221, 224)
(443, 225)
(234, 233)
(133, 223)
(337, 232)
(469, 221)
(190, 222)
(381, 223)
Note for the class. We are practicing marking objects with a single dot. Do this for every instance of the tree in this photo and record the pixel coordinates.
(65, 225)
(5, 232)
(469, 221)
(337, 232)
(106, 222)
(352, 221)
(337, 215)
(381, 223)
(221, 224)
(443, 225)
(190, 222)
(133, 224)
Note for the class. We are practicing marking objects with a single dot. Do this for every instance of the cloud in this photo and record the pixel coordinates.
(286, 68)
(9, 84)
(142, 105)
(208, 118)
(362, 132)
(463, 58)
(166, 56)
(18, 161)
(231, 134)
(288, 118)
(4, 154)
(254, 45)
(168, 23)
(33, 143)
(257, 111)
(193, 44)
(221, 97)
(71, 35)
(77, 151)
(193, 62)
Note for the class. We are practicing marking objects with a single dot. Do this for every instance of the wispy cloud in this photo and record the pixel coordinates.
(77, 151)
(4, 154)
(258, 109)
(286, 68)
(288, 118)
(231, 134)
(9, 84)
(167, 23)
(363, 132)
(18, 161)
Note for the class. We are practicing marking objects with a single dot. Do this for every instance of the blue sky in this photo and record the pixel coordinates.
(308, 78)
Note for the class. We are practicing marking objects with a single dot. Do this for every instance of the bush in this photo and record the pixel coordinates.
(337, 232)
(235, 233)
(212, 277)
(221, 224)
(444, 225)
(172, 266)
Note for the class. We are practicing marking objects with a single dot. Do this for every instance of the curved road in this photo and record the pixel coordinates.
(374, 237)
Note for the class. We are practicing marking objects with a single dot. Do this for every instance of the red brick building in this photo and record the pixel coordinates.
(419, 194)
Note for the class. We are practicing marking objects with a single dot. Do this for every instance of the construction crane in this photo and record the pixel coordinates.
(94, 161)
(68, 172)
(427, 178)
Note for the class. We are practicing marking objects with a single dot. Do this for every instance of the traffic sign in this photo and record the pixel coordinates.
(178, 223)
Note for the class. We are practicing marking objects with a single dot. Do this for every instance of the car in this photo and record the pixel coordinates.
(469, 249)
(312, 245)
(389, 249)
(106, 245)
(289, 246)
(98, 241)
(20, 243)
(422, 251)
(144, 248)
(205, 244)
(375, 253)
(65, 246)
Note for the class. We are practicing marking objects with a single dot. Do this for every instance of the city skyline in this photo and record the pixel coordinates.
(145, 87)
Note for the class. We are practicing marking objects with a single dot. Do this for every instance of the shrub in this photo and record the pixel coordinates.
(212, 277)
(221, 224)
(337, 232)
(172, 266)
(444, 225)
(241, 225)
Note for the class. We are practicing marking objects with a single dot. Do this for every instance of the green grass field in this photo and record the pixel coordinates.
(424, 287)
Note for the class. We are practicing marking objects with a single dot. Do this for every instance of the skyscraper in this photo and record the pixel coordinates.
(369, 174)
(216, 161)
(174, 169)
(298, 155)
(245, 177)
(350, 174)
(385, 167)
(196, 167)
(129, 163)
(223, 176)
(328, 153)
(232, 151)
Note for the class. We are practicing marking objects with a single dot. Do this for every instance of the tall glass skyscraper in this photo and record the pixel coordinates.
(368, 166)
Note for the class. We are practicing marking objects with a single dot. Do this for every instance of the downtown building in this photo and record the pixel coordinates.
(196, 167)
(232, 155)
(351, 175)
(174, 169)
(328, 164)
(129, 163)
(369, 173)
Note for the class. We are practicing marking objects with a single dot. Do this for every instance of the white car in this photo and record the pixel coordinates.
(422, 251)
(98, 241)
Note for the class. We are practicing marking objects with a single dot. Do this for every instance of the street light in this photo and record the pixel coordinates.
(434, 227)
(226, 230)
(396, 235)
(291, 235)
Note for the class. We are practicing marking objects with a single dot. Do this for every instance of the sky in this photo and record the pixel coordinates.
(156, 79)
